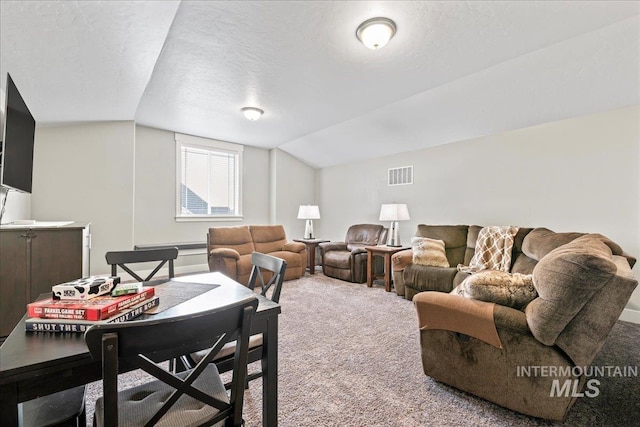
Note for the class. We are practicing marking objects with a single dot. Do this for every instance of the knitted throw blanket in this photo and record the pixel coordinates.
(493, 250)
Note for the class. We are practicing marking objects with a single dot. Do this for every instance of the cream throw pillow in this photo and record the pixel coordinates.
(429, 252)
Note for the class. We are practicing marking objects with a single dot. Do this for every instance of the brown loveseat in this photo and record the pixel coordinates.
(230, 250)
(531, 359)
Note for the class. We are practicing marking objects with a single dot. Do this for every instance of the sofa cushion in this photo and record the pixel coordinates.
(338, 259)
(520, 263)
(428, 251)
(293, 259)
(566, 279)
(472, 237)
(511, 290)
(427, 278)
(454, 237)
(296, 265)
(268, 238)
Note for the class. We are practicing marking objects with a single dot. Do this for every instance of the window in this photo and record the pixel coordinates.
(208, 183)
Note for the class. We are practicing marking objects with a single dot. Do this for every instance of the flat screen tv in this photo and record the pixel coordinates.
(16, 155)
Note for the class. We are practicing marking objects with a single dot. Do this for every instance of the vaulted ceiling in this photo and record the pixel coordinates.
(453, 71)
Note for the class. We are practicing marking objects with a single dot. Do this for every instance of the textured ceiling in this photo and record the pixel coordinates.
(454, 70)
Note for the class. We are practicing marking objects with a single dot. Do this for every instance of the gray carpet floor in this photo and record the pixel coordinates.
(350, 356)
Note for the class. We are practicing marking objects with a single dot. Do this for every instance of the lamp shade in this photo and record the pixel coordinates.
(309, 212)
(394, 212)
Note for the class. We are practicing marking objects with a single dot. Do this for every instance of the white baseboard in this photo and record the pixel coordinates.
(629, 315)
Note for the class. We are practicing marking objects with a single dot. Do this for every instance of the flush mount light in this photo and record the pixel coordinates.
(252, 113)
(374, 33)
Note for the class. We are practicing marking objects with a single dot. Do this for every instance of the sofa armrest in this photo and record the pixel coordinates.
(294, 247)
(438, 310)
(225, 253)
(333, 246)
(510, 319)
(401, 259)
(224, 260)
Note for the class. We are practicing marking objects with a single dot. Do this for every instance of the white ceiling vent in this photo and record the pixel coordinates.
(401, 176)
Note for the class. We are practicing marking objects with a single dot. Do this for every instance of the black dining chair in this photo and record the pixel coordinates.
(63, 409)
(122, 258)
(267, 273)
(196, 397)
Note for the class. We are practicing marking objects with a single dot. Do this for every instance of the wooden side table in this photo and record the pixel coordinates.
(312, 244)
(385, 252)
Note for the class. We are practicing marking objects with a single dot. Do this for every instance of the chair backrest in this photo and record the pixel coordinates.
(360, 235)
(145, 343)
(268, 271)
(121, 258)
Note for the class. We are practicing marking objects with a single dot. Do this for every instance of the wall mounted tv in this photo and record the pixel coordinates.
(16, 155)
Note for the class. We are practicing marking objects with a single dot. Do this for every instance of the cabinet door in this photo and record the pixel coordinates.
(14, 278)
(56, 257)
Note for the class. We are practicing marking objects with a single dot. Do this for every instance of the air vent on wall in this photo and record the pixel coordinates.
(400, 176)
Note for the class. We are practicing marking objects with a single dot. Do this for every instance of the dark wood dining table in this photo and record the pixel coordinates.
(34, 364)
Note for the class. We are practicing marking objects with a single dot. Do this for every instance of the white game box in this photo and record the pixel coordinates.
(85, 288)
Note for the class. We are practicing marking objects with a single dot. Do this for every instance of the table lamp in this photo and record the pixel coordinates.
(308, 212)
(394, 212)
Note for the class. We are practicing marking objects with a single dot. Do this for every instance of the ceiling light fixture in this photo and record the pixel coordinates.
(252, 113)
(374, 33)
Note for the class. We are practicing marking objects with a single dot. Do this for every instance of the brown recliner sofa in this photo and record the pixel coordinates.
(460, 242)
(348, 260)
(531, 359)
(230, 248)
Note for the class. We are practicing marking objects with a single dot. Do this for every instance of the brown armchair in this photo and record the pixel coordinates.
(230, 248)
(348, 260)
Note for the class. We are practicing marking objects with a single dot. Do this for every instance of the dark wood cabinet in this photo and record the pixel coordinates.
(34, 258)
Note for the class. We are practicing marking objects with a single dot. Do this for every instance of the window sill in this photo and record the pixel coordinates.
(208, 218)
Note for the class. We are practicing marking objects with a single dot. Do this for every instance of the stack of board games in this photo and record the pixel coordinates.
(75, 306)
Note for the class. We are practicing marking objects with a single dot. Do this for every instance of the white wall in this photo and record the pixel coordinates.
(580, 174)
(85, 173)
(121, 178)
(293, 184)
(155, 194)
(17, 206)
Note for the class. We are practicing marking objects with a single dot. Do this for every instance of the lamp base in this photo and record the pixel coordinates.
(308, 229)
(394, 238)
